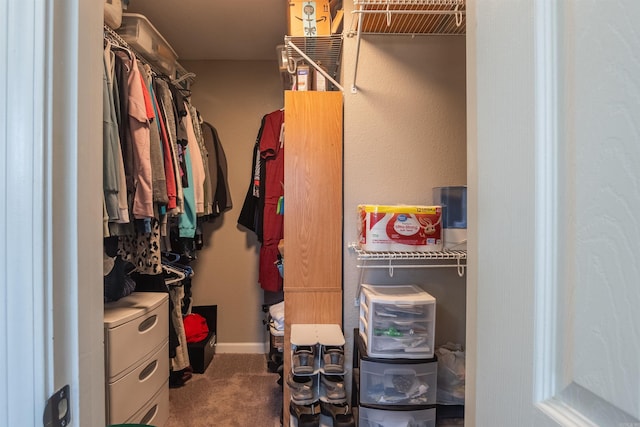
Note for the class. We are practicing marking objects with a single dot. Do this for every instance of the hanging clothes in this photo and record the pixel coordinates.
(272, 155)
(139, 115)
(197, 167)
(169, 112)
(253, 206)
(110, 147)
(159, 184)
(170, 174)
(111, 102)
(221, 198)
(122, 69)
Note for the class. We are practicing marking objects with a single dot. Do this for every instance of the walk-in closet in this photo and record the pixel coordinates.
(373, 101)
(405, 67)
(523, 108)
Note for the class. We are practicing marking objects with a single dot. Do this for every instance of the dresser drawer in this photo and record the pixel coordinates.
(369, 417)
(398, 382)
(134, 327)
(156, 411)
(128, 394)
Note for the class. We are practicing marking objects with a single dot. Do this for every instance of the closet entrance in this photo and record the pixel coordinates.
(58, 167)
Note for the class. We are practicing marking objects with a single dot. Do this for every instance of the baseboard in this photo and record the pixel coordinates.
(242, 348)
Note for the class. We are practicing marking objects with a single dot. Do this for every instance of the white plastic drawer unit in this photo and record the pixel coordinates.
(408, 383)
(397, 321)
(156, 411)
(381, 418)
(130, 393)
(135, 326)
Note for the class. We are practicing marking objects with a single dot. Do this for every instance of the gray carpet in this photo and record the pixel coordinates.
(236, 390)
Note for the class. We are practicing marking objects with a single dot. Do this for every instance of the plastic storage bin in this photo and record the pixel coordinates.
(454, 215)
(397, 321)
(113, 13)
(138, 32)
(370, 417)
(398, 382)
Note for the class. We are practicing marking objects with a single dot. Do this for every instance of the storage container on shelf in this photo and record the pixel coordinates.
(397, 321)
(113, 13)
(138, 32)
(454, 215)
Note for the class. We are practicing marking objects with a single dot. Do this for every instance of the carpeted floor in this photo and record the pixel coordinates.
(236, 390)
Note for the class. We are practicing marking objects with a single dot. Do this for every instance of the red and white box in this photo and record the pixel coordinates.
(400, 228)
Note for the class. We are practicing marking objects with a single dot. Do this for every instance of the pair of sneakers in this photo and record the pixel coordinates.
(302, 388)
(303, 360)
(332, 403)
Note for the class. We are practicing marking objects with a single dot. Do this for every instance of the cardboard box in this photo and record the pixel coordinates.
(201, 353)
(336, 23)
(309, 18)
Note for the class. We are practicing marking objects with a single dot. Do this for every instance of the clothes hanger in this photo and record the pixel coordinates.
(174, 275)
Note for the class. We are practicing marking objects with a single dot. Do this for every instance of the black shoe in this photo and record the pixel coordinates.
(307, 415)
(339, 412)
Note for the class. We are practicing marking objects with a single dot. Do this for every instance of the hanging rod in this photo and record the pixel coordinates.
(111, 34)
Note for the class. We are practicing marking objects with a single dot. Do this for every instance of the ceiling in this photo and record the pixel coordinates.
(218, 29)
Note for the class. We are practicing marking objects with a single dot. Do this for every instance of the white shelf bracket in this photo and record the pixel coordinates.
(354, 88)
(460, 268)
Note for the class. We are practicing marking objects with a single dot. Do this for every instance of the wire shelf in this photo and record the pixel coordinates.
(405, 17)
(415, 17)
(383, 256)
(458, 257)
(321, 51)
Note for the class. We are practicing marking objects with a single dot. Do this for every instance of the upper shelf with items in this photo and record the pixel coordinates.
(408, 17)
(321, 52)
(314, 37)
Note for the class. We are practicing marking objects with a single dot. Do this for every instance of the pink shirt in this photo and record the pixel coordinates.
(139, 128)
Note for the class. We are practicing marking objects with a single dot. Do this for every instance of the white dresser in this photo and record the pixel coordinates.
(136, 341)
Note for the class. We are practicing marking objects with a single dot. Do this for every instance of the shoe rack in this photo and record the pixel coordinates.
(316, 380)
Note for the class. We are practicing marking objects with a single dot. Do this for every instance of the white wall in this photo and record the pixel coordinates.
(405, 132)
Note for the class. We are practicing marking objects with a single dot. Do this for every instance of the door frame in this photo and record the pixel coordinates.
(51, 260)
